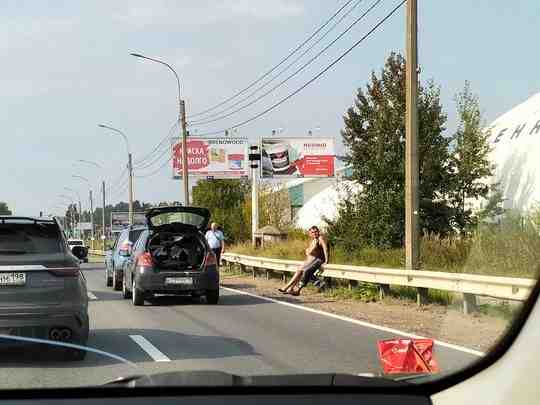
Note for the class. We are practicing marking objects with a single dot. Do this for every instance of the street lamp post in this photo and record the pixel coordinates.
(89, 162)
(182, 119)
(70, 211)
(78, 199)
(91, 201)
(130, 169)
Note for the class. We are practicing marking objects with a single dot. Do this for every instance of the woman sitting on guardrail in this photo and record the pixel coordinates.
(316, 256)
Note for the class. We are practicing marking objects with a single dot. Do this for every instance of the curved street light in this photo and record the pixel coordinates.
(97, 165)
(182, 119)
(130, 168)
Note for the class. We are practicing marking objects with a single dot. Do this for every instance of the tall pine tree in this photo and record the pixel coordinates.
(470, 158)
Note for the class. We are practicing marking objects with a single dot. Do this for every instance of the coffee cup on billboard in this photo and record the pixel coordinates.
(279, 157)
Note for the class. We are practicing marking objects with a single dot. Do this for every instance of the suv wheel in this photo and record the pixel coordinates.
(136, 294)
(212, 297)
(125, 292)
(108, 280)
(116, 281)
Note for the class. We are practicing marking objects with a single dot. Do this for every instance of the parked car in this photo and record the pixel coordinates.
(115, 258)
(79, 242)
(172, 257)
(42, 290)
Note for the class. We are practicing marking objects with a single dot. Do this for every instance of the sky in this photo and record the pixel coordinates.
(66, 68)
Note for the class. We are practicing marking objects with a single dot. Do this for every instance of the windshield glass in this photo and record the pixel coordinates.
(177, 217)
(360, 185)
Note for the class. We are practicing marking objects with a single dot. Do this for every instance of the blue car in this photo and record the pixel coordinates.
(121, 251)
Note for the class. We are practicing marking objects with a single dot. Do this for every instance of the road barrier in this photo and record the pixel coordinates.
(470, 285)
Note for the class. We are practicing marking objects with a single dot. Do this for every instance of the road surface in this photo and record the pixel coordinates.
(243, 334)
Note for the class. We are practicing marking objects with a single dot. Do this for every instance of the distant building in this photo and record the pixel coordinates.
(313, 199)
(515, 139)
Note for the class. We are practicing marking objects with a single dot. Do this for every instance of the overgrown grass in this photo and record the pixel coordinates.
(509, 250)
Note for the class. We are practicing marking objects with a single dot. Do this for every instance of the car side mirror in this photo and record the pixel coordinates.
(79, 252)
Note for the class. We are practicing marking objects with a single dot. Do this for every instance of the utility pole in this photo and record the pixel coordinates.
(92, 215)
(79, 217)
(130, 169)
(185, 174)
(103, 237)
(412, 239)
(254, 157)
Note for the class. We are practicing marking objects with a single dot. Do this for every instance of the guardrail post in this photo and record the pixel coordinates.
(267, 274)
(469, 303)
(254, 270)
(421, 295)
(242, 268)
(352, 284)
(384, 290)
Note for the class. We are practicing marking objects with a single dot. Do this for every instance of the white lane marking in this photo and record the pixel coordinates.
(149, 348)
(91, 295)
(361, 323)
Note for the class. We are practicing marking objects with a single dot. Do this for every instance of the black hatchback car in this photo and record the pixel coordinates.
(42, 290)
(172, 257)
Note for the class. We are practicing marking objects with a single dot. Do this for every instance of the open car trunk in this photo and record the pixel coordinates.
(177, 247)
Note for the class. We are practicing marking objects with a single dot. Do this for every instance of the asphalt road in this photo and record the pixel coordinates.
(243, 334)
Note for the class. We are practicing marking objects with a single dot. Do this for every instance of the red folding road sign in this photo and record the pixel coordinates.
(406, 356)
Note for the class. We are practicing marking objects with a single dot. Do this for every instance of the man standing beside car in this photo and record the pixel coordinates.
(216, 240)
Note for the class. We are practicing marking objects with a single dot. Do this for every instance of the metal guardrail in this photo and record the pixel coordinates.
(96, 252)
(470, 285)
(507, 288)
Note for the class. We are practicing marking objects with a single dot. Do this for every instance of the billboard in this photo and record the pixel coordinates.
(297, 157)
(84, 226)
(212, 157)
(120, 220)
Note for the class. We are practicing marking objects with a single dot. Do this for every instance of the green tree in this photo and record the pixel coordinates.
(4, 209)
(225, 200)
(375, 136)
(470, 163)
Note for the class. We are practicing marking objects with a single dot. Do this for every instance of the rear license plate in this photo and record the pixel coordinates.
(179, 280)
(12, 279)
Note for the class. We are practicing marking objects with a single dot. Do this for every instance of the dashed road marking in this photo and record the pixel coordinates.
(149, 348)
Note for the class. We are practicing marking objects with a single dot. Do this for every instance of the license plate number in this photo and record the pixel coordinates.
(179, 280)
(12, 279)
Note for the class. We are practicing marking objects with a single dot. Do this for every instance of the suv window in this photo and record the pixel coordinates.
(36, 237)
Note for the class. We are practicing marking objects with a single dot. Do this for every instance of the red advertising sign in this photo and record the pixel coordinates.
(297, 157)
(212, 157)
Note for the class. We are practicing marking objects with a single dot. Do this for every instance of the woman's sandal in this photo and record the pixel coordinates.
(295, 293)
(281, 290)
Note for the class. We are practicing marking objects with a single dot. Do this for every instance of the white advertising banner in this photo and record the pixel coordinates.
(120, 220)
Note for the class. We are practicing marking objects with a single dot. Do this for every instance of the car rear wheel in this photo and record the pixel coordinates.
(136, 295)
(212, 297)
(116, 281)
(125, 292)
(108, 280)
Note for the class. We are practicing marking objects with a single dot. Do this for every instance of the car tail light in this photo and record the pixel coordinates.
(145, 260)
(64, 271)
(210, 259)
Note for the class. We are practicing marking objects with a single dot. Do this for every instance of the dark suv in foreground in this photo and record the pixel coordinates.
(42, 290)
(172, 257)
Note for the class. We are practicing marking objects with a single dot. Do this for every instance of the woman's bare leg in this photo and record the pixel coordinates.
(294, 280)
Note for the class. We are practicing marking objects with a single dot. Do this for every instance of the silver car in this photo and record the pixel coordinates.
(42, 289)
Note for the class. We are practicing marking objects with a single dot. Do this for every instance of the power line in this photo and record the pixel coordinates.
(305, 65)
(148, 155)
(321, 73)
(156, 159)
(286, 67)
(276, 66)
(155, 171)
(118, 180)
